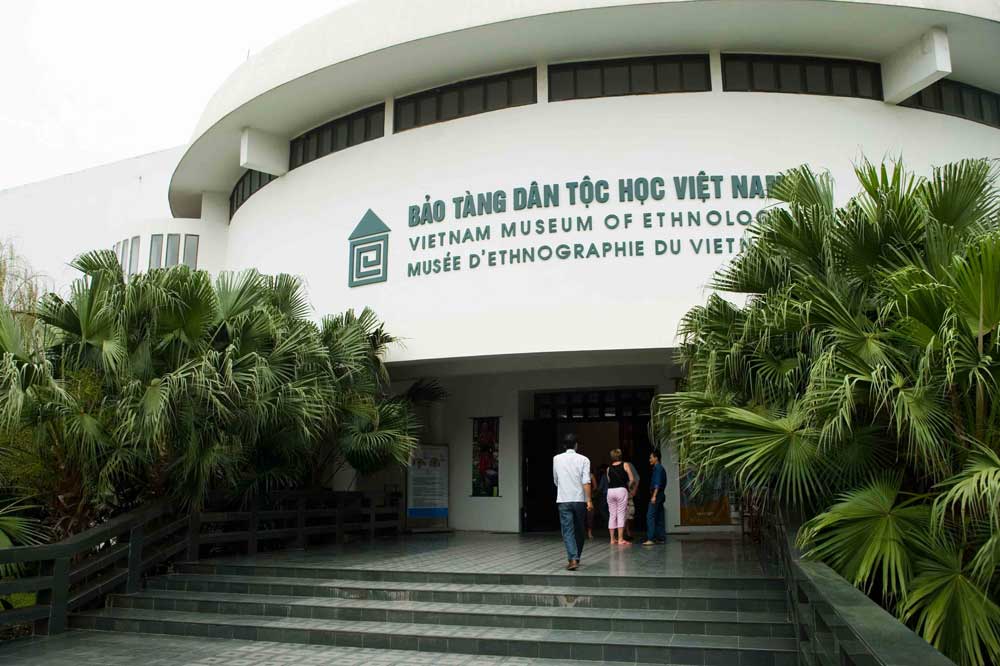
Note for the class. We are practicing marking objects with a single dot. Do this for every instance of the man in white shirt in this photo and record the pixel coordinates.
(571, 474)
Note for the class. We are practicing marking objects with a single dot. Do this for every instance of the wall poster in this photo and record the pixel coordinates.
(486, 456)
(704, 501)
(427, 483)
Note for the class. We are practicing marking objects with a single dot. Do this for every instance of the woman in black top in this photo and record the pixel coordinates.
(619, 478)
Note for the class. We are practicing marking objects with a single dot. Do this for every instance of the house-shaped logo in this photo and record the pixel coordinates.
(369, 255)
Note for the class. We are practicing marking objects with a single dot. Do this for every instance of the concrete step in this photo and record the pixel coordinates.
(627, 647)
(578, 579)
(717, 623)
(712, 599)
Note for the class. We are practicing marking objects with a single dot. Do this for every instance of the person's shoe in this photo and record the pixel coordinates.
(647, 542)
(573, 565)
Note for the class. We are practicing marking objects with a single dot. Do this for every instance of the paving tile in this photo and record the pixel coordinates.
(450, 599)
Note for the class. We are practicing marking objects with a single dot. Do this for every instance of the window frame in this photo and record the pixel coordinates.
(156, 240)
(803, 63)
(193, 265)
(657, 63)
(167, 263)
(322, 140)
(932, 99)
(133, 259)
(404, 106)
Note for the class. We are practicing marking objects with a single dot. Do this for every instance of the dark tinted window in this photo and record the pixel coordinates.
(971, 105)
(816, 79)
(496, 95)
(959, 99)
(473, 99)
(173, 250)
(865, 82)
(156, 250)
(450, 104)
(793, 74)
(465, 98)
(248, 184)
(930, 98)
(765, 75)
(840, 80)
(616, 80)
(560, 84)
(643, 77)
(349, 130)
(588, 81)
(736, 74)
(190, 258)
(633, 76)
(790, 77)
(695, 75)
(523, 89)
(668, 77)
(991, 109)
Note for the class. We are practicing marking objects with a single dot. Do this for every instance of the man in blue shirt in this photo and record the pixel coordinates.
(655, 530)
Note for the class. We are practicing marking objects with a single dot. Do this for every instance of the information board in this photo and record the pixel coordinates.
(427, 483)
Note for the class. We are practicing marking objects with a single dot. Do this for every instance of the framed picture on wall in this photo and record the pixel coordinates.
(486, 456)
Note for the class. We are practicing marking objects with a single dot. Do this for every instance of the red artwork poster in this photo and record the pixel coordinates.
(486, 456)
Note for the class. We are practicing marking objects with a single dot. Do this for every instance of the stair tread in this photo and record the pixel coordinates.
(702, 593)
(484, 609)
(456, 631)
(300, 567)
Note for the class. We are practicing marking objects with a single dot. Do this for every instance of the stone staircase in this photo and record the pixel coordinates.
(731, 621)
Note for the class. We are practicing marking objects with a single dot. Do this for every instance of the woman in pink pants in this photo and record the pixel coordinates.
(619, 481)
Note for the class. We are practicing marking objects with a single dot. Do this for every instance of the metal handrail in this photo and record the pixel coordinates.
(118, 553)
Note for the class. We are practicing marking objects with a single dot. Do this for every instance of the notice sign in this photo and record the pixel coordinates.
(706, 503)
(427, 483)
(486, 456)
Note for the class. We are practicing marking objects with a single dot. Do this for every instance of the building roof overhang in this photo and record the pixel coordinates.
(375, 49)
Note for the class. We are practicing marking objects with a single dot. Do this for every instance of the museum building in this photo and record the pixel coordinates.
(531, 194)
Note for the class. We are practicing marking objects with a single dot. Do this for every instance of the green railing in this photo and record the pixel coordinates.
(82, 570)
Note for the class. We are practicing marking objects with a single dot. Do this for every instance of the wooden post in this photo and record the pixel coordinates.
(254, 509)
(371, 519)
(194, 536)
(135, 539)
(300, 522)
(56, 597)
(400, 514)
(341, 537)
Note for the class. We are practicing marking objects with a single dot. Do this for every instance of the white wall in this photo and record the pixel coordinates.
(301, 222)
(52, 221)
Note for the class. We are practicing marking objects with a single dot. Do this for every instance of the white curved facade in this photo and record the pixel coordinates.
(377, 51)
(301, 221)
(593, 306)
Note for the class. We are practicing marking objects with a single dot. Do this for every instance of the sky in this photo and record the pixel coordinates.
(87, 83)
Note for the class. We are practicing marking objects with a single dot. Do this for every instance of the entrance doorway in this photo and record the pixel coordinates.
(601, 419)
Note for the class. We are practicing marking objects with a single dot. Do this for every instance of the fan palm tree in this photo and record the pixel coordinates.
(858, 382)
(173, 383)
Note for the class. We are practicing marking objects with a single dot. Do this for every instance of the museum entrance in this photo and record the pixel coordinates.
(602, 420)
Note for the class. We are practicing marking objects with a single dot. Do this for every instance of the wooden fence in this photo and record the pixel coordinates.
(80, 571)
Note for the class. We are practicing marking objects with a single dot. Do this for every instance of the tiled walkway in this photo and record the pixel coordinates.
(534, 554)
(341, 590)
(93, 648)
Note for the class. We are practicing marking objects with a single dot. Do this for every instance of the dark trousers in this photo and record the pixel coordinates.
(573, 521)
(655, 529)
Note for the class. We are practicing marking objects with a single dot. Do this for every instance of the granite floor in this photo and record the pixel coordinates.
(458, 553)
(468, 552)
(95, 648)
